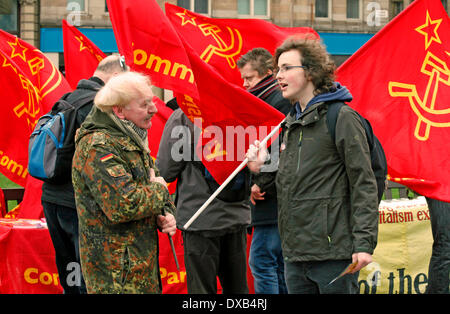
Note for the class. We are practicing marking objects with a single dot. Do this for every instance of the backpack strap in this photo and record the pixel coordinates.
(332, 114)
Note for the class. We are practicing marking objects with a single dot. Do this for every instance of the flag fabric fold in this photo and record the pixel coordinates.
(81, 55)
(400, 80)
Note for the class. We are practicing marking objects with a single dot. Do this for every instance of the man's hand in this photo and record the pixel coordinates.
(154, 178)
(256, 194)
(362, 259)
(167, 224)
(256, 157)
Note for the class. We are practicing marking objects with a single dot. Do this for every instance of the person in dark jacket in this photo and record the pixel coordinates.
(266, 259)
(327, 193)
(58, 201)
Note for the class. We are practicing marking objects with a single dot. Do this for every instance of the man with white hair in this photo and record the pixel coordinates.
(121, 199)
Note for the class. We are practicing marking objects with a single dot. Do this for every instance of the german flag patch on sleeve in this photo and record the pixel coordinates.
(107, 157)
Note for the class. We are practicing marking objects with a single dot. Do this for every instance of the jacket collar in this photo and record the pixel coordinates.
(265, 87)
(310, 115)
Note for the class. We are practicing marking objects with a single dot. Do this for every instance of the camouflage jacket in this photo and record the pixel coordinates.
(117, 207)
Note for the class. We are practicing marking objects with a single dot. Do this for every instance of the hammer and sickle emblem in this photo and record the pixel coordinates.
(31, 107)
(428, 116)
(227, 51)
(216, 151)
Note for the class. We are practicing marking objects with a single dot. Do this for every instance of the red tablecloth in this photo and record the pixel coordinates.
(27, 260)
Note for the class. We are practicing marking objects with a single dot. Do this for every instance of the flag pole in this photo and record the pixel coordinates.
(232, 175)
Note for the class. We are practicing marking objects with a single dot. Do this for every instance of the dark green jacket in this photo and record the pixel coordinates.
(327, 192)
(117, 207)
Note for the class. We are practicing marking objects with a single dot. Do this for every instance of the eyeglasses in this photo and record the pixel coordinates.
(122, 63)
(285, 68)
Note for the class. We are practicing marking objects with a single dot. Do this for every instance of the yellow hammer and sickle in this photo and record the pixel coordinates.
(222, 49)
(31, 109)
(37, 64)
(217, 151)
(428, 116)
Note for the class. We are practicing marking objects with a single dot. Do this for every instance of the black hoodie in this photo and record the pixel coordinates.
(63, 194)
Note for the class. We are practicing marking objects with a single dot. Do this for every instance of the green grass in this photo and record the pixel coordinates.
(6, 183)
(396, 194)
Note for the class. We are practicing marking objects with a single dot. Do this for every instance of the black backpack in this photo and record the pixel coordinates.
(52, 143)
(377, 155)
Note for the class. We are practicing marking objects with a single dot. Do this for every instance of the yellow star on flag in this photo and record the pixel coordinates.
(429, 30)
(186, 18)
(82, 44)
(6, 63)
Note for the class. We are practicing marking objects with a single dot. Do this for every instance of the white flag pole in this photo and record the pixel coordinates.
(224, 184)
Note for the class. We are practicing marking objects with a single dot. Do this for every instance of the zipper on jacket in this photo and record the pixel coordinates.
(300, 138)
(329, 241)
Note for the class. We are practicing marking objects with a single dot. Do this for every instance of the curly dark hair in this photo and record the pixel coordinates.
(314, 56)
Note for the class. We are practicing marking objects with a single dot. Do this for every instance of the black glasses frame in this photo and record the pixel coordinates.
(287, 68)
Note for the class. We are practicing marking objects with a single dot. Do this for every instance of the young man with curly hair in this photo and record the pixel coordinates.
(327, 193)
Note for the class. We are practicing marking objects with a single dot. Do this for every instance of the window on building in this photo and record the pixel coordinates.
(106, 6)
(397, 7)
(253, 7)
(353, 9)
(76, 5)
(9, 16)
(321, 8)
(198, 6)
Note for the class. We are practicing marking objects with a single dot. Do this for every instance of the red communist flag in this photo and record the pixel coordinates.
(400, 80)
(230, 118)
(155, 48)
(156, 130)
(41, 72)
(81, 56)
(20, 109)
(152, 47)
(221, 42)
(30, 86)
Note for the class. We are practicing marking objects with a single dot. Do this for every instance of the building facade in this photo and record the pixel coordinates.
(344, 25)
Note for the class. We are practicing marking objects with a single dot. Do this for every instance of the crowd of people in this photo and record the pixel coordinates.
(310, 218)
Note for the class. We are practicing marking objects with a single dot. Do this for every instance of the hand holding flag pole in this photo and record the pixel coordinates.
(232, 175)
(172, 245)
